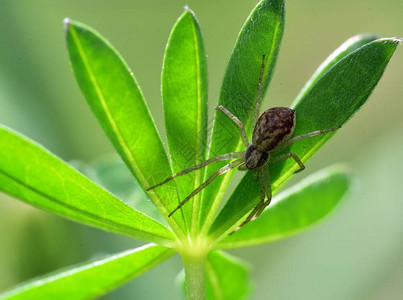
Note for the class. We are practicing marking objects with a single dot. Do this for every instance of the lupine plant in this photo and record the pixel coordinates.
(200, 230)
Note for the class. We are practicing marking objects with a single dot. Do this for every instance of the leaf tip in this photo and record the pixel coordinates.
(188, 13)
(66, 23)
(188, 10)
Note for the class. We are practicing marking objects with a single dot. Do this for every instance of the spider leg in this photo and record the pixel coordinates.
(242, 168)
(227, 156)
(264, 190)
(259, 91)
(249, 218)
(300, 137)
(237, 122)
(221, 171)
(268, 194)
(287, 155)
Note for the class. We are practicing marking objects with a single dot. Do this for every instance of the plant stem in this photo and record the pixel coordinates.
(195, 267)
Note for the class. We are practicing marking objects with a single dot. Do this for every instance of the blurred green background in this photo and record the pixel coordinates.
(357, 253)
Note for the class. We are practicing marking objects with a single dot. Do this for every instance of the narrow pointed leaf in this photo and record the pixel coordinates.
(261, 34)
(227, 277)
(329, 102)
(34, 175)
(294, 210)
(184, 95)
(345, 49)
(89, 281)
(116, 100)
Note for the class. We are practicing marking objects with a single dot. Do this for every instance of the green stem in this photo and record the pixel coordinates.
(195, 269)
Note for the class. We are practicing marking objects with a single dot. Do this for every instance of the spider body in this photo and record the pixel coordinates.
(274, 127)
(254, 159)
(272, 133)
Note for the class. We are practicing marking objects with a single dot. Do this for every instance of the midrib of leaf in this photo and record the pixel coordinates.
(106, 108)
(211, 215)
(199, 174)
(122, 141)
(92, 216)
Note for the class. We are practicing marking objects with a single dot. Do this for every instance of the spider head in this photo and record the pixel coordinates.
(255, 159)
(274, 126)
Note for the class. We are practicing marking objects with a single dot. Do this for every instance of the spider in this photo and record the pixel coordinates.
(271, 134)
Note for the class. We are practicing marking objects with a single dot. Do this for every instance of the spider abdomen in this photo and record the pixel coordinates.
(273, 127)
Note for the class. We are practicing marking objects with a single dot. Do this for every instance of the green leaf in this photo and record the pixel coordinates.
(34, 175)
(294, 210)
(330, 101)
(110, 172)
(346, 48)
(92, 280)
(116, 100)
(227, 277)
(261, 34)
(184, 95)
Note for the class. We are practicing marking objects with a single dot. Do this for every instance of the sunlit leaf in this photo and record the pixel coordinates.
(34, 175)
(261, 34)
(184, 95)
(294, 210)
(89, 281)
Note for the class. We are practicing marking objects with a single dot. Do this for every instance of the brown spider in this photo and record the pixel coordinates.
(271, 134)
